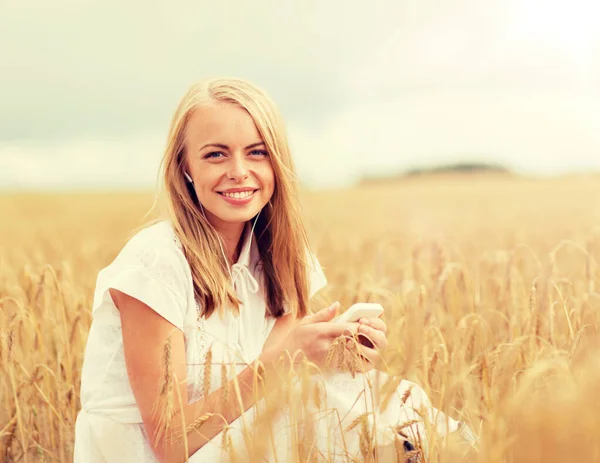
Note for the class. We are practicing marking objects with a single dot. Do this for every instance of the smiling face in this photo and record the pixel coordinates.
(228, 163)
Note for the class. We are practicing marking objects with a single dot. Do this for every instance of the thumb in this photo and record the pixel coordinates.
(323, 315)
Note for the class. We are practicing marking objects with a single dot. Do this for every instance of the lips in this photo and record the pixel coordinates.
(237, 194)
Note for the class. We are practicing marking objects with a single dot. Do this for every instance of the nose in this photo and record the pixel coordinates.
(238, 170)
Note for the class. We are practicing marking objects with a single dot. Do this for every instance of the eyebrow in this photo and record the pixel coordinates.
(225, 147)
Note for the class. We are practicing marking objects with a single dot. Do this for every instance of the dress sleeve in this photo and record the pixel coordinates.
(150, 272)
(316, 276)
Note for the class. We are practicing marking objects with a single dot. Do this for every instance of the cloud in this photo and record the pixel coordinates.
(88, 89)
(83, 163)
(111, 68)
(530, 132)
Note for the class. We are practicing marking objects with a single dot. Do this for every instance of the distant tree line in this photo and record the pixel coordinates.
(458, 167)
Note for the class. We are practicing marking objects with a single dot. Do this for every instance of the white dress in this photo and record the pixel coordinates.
(152, 268)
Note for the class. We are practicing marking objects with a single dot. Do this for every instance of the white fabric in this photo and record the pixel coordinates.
(152, 268)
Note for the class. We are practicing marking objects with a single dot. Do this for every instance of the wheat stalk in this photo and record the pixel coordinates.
(164, 407)
(520, 375)
(225, 386)
(206, 380)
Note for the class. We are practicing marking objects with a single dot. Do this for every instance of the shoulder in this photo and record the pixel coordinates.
(151, 268)
(156, 249)
(156, 238)
(158, 234)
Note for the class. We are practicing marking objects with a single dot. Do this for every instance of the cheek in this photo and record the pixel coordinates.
(208, 180)
(268, 179)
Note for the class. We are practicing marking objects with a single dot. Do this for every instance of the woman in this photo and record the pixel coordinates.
(204, 306)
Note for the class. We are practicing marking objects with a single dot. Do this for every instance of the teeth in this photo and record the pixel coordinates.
(238, 195)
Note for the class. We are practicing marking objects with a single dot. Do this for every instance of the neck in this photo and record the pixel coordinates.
(232, 238)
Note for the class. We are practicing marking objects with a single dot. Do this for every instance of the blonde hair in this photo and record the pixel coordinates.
(279, 231)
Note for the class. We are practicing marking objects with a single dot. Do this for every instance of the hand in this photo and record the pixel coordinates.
(313, 336)
(373, 340)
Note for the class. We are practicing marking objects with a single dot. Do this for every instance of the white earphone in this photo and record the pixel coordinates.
(189, 179)
(220, 240)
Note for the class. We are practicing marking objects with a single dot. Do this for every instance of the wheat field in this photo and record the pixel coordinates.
(490, 283)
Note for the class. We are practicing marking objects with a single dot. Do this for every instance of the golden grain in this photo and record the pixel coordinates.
(489, 284)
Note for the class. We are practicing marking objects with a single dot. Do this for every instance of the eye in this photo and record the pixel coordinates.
(213, 154)
(259, 153)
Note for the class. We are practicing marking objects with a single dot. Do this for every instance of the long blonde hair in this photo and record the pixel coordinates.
(279, 231)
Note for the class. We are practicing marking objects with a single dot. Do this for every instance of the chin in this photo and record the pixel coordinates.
(239, 216)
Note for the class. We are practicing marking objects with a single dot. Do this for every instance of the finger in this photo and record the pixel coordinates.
(376, 337)
(334, 330)
(376, 323)
(379, 324)
(371, 355)
(323, 315)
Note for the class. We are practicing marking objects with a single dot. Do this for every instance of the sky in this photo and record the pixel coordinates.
(88, 88)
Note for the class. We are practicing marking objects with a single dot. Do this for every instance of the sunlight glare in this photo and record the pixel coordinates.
(571, 26)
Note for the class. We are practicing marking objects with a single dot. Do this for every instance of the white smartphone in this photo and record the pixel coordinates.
(360, 310)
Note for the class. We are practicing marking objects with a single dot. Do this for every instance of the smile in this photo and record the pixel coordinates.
(238, 194)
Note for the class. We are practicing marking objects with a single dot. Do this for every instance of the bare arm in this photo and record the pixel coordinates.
(145, 335)
(282, 328)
